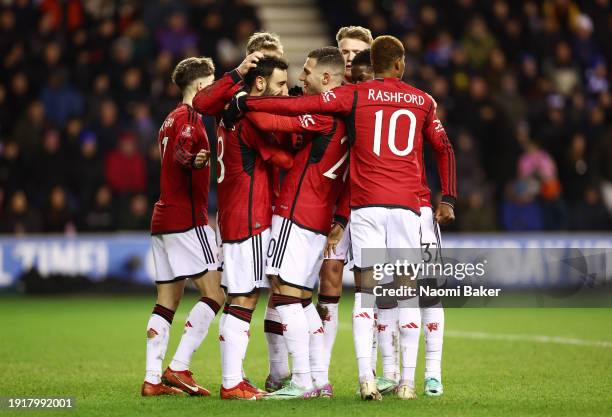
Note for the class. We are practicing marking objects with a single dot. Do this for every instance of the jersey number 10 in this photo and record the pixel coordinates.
(391, 136)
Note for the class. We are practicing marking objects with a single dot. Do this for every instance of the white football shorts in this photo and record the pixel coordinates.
(244, 265)
(184, 255)
(381, 228)
(295, 254)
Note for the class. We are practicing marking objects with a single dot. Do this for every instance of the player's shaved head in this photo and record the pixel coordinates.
(328, 57)
(190, 69)
(265, 42)
(387, 53)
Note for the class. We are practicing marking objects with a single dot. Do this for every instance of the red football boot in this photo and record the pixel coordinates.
(153, 390)
(183, 380)
(242, 391)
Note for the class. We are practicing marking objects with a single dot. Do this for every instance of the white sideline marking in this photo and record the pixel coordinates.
(528, 338)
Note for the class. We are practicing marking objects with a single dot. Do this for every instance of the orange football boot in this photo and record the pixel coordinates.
(183, 380)
(153, 390)
(242, 391)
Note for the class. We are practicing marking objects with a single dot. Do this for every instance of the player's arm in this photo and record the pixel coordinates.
(269, 152)
(184, 153)
(343, 210)
(337, 101)
(434, 133)
(277, 156)
(291, 124)
(212, 99)
(341, 218)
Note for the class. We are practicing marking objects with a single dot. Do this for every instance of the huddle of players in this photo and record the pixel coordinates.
(280, 230)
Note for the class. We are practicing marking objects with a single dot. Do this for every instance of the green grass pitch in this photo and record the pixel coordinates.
(93, 349)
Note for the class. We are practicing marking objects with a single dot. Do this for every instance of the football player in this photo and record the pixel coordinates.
(184, 245)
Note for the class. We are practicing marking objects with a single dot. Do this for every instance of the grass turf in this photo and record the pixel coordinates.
(93, 349)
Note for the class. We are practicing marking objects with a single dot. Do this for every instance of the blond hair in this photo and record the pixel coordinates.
(355, 32)
(263, 41)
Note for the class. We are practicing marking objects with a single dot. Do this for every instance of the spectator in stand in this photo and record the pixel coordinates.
(138, 216)
(590, 213)
(49, 168)
(125, 168)
(13, 172)
(101, 216)
(57, 216)
(104, 67)
(107, 128)
(29, 128)
(478, 42)
(478, 214)
(19, 218)
(60, 99)
(176, 37)
(88, 174)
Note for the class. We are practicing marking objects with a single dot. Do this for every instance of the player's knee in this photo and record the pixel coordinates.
(331, 269)
(331, 278)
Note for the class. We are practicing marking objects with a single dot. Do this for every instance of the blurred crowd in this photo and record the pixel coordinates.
(84, 87)
(523, 88)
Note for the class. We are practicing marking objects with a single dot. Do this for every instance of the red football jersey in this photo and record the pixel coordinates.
(212, 99)
(244, 189)
(183, 200)
(443, 152)
(387, 120)
(310, 189)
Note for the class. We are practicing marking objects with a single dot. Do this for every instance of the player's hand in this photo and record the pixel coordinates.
(333, 238)
(201, 158)
(444, 214)
(249, 62)
(233, 111)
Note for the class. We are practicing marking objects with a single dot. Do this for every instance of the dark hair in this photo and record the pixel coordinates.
(191, 69)
(265, 67)
(384, 52)
(362, 58)
(328, 56)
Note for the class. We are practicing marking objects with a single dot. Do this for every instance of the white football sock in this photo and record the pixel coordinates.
(387, 331)
(330, 324)
(374, 354)
(297, 337)
(196, 328)
(363, 326)
(158, 334)
(234, 343)
(318, 367)
(433, 326)
(278, 356)
(409, 320)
